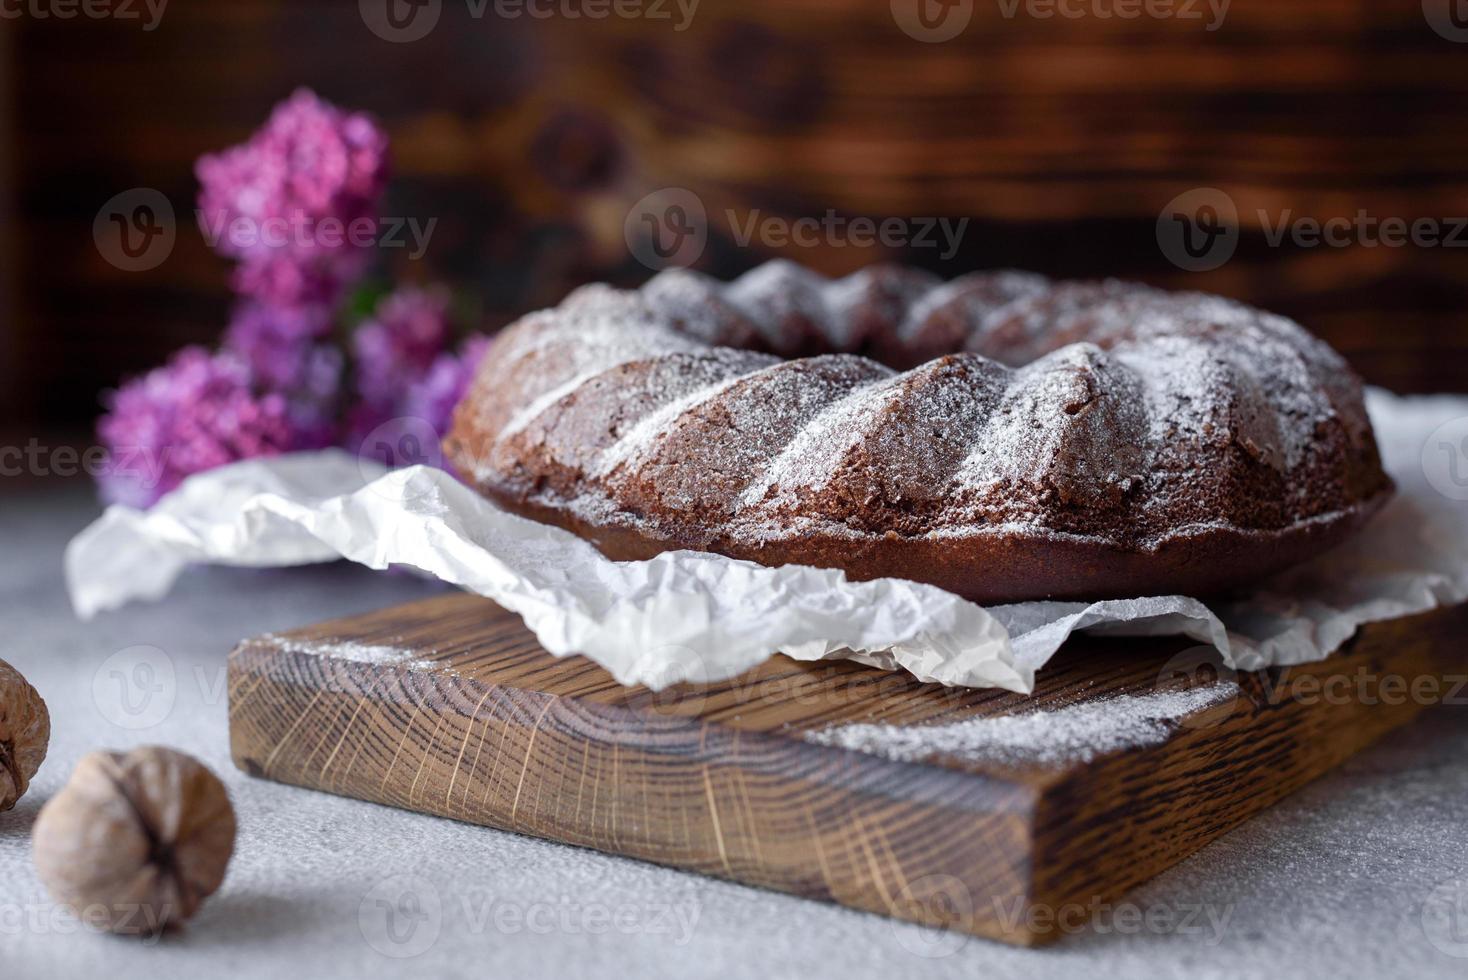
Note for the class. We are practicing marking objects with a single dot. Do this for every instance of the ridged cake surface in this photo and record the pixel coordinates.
(1000, 435)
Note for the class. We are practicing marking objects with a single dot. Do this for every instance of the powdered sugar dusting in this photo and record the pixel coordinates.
(973, 297)
(1130, 411)
(361, 653)
(777, 290)
(588, 342)
(642, 436)
(1073, 734)
(809, 459)
(1084, 399)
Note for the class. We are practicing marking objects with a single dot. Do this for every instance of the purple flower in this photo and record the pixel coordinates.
(433, 398)
(274, 340)
(395, 349)
(410, 430)
(297, 202)
(279, 345)
(195, 413)
(289, 277)
(313, 403)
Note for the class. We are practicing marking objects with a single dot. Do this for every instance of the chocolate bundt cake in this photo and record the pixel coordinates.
(1001, 435)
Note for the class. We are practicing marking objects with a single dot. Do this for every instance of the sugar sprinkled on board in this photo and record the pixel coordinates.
(1076, 733)
(362, 653)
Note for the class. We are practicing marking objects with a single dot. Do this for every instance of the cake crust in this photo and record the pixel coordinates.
(1000, 435)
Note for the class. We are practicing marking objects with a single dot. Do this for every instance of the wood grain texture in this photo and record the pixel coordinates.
(528, 139)
(480, 724)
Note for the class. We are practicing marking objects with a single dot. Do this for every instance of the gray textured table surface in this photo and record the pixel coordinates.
(1361, 874)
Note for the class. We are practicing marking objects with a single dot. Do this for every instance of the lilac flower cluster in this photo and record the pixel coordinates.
(278, 384)
(196, 412)
(284, 350)
(402, 367)
(434, 396)
(397, 346)
(287, 202)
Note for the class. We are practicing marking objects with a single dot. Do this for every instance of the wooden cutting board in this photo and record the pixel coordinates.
(447, 706)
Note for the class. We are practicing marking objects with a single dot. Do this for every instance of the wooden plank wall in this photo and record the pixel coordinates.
(10, 325)
(1061, 139)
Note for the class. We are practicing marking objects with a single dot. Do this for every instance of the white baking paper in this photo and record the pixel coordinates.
(682, 616)
(690, 616)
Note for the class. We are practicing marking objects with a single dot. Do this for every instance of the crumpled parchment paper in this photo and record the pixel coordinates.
(690, 616)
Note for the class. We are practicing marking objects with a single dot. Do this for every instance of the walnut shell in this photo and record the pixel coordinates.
(136, 842)
(25, 732)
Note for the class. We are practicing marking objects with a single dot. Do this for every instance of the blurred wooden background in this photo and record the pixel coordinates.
(1061, 139)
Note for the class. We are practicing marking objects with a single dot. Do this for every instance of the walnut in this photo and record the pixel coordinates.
(25, 731)
(134, 843)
